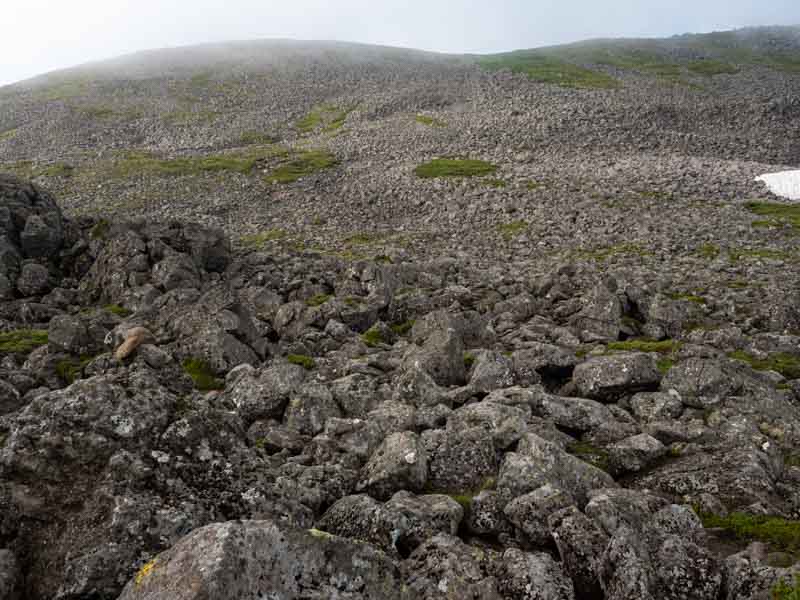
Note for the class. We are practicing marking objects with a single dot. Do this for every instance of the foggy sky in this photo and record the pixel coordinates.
(43, 35)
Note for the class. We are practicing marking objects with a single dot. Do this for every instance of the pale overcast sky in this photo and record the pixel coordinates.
(43, 35)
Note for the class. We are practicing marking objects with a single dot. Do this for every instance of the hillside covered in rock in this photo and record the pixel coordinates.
(290, 320)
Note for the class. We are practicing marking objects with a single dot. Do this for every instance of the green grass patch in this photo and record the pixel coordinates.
(303, 360)
(589, 453)
(665, 364)
(202, 375)
(97, 113)
(709, 68)
(57, 170)
(141, 163)
(469, 360)
(454, 167)
(779, 533)
(118, 310)
(785, 590)
(782, 213)
(661, 347)
(22, 341)
(301, 165)
(259, 240)
(533, 185)
(373, 337)
(256, 138)
(603, 254)
(403, 328)
(787, 365)
(693, 298)
(100, 230)
(429, 121)
(548, 69)
(8, 134)
(495, 183)
(338, 121)
(708, 251)
(318, 300)
(737, 254)
(71, 369)
(310, 122)
(511, 230)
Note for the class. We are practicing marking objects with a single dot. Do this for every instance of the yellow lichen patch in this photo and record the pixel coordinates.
(323, 535)
(145, 571)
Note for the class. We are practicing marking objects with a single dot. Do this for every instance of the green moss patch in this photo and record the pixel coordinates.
(429, 121)
(202, 375)
(780, 534)
(22, 341)
(373, 337)
(781, 213)
(141, 163)
(511, 230)
(548, 69)
(259, 240)
(469, 360)
(301, 165)
(709, 68)
(71, 369)
(118, 310)
(785, 590)
(589, 453)
(708, 251)
(662, 347)
(453, 167)
(318, 300)
(603, 254)
(693, 298)
(403, 328)
(301, 359)
(787, 365)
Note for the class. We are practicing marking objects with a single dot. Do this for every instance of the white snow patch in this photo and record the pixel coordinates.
(785, 183)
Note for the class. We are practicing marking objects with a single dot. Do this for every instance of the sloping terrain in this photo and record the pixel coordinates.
(321, 320)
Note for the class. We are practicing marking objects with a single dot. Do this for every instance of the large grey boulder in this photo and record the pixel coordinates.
(601, 317)
(257, 559)
(533, 576)
(606, 378)
(265, 394)
(399, 463)
(539, 462)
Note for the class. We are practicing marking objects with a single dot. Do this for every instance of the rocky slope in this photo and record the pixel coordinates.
(576, 378)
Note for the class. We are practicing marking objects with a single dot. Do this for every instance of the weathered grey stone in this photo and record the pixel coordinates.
(505, 424)
(654, 406)
(609, 377)
(533, 576)
(399, 463)
(635, 453)
(256, 558)
(463, 462)
(530, 513)
(539, 462)
(601, 317)
(10, 588)
(34, 280)
(581, 545)
(491, 371)
(265, 395)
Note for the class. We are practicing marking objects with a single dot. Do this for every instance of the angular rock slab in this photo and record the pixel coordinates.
(256, 559)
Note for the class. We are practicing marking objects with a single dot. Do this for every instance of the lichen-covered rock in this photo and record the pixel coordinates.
(446, 567)
(10, 588)
(462, 461)
(399, 463)
(533, 576)
(539, 462)
(581, 545)
(253, 558)
(491, 371)
(609, 377)
(601, 317)
(635, 453)
(530, 513)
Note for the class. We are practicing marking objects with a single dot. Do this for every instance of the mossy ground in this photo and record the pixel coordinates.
(430, 121)
(402, 328)
(787, 365)
(604, 254)
(511, 230)
(132, 164)
(118, 310)
(260, 240)
(71, 369)
(22, 341)
(301, 359)
(301, 165)
(780, 534)
(589, 453)
(373, 337)
(786, 590)
(788, 213)
(202, 375)
(454, 167)
(662, 347)
(318, 300)
(548, 69)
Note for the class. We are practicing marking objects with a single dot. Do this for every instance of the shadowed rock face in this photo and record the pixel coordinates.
(452, 389)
